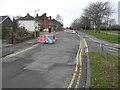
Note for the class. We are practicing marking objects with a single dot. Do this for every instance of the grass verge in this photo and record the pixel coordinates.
(104, 36)
(104, 74)
(117, 32)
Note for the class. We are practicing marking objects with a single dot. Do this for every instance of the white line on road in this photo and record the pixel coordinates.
(86, 46)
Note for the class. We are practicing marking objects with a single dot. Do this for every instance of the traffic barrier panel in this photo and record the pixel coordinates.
(49, 39)
(41, 39)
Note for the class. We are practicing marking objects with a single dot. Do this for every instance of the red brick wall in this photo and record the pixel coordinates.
(44, 24)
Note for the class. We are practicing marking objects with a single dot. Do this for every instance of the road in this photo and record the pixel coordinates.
(61, 65)
(117, 34)
(94, 45)
(46, 65)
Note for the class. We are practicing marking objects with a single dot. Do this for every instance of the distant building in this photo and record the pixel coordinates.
(38, 23)
(27, 22)
(119, 13)
(44, 22)
(7, 22)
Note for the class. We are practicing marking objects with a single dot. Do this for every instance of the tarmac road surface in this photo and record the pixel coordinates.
(43, 66)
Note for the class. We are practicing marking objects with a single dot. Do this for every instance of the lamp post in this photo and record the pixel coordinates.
(34, 23)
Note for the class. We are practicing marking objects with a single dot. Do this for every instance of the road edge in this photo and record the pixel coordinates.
(88, 71)
(88, 63)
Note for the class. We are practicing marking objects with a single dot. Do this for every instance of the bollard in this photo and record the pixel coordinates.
(101, 46)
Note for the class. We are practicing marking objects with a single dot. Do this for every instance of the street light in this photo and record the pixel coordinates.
(34, 23)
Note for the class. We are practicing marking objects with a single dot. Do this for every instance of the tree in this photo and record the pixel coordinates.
(76, 24)
(59, 18)
(17, 17)
(97, 12)
(14, 25)
(5, 32)
(81, 23)
(85, 22)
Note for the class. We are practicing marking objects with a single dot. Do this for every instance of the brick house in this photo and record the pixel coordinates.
(44, 22)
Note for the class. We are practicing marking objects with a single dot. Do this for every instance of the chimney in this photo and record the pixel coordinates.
(28, 14)
(44, 16)
(50, 17)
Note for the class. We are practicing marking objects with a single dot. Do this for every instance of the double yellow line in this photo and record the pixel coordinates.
(76, 68)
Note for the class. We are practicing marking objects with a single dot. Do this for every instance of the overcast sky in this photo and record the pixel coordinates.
(68, 9)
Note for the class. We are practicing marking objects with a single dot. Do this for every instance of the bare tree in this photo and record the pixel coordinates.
(59, 18)
(81, 23)
(76, 24)
(85, 22)
(17, 17)
(97, 12)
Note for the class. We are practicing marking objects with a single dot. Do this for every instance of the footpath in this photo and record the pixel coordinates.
(97, 40)
(11, 48)
(116, 34)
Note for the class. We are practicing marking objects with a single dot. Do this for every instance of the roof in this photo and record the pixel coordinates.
(27, 17)
(3, 18)
(42, 17)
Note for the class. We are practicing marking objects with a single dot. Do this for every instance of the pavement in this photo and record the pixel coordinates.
(94, 45)
(116, 34)
(11, 48)
(115, 45)
(43, 65)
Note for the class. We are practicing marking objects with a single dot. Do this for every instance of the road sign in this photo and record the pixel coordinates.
(41, 39)
(49, 39)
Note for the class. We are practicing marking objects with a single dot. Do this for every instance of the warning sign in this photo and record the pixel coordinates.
(49, 39)
(41, 39)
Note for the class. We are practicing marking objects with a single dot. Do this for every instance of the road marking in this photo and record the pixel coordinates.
(80, 69)
(76, 69)
(11, 55)
(86, 47)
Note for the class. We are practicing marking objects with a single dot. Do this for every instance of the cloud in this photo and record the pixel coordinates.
(69, 9)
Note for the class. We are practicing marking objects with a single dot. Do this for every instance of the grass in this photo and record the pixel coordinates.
(112, 31)
(108, 37)
(104, 74)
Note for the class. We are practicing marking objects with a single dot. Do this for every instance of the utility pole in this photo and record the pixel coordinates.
(35, 23)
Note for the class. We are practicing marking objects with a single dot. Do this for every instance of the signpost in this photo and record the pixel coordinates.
(101, 45)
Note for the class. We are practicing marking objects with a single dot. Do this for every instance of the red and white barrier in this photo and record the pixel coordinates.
(43, 38)
(69, 31)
